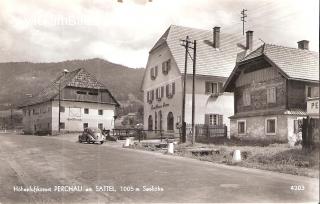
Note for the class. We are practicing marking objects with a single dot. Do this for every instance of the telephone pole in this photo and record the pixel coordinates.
(243, 19)
(192, 45)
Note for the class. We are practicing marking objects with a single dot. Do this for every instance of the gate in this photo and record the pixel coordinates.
(206, 133)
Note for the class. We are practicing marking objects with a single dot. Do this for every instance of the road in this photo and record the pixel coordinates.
(52, 162)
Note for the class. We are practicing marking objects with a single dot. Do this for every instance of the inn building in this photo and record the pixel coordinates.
(274, 87)
(84, 102)
(163, 78)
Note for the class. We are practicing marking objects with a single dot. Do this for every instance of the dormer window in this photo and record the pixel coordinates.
(214, 88)
(166, 67)
(154, 72)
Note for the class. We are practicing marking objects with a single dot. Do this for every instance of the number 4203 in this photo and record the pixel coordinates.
(297, 188)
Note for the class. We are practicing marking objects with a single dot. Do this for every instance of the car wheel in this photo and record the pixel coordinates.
(101, 142)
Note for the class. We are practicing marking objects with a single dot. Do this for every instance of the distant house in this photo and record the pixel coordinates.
(271, 86)
(163, 78)
(84, 102)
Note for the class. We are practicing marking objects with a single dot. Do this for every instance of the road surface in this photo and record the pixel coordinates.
(83, 173)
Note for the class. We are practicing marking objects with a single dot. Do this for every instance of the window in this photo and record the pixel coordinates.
(82, 92)
(246, 98)
(154, 72)
(100, 126)
(86, 111)
(159, 93)
(214, 87)
(93, 93)
(150, 122)
(29, 112)
(271, 95)
(297, 126)
(242, 127)
(170, 121)
(166, 67)
(309, 92)
(62, 126)
(170, 89)
(150, 96)
(85, 125)
(270, 126)
(62, 109)
(160, 120)
(100, 112)
(213, 119)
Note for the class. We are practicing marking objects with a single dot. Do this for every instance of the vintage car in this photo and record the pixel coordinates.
(92, 135)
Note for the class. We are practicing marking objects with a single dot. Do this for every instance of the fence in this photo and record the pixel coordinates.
(140, 134)
(206, 133)
(310, 132)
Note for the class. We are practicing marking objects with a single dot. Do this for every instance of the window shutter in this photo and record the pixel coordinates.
(152, 95)
(220, 87)
(220, 120)
(208, 88)
(173, 88)
(206, 119)
(152, 73)
(163, 67)
(156, 72)
(162, 90)
(148, 96)
(168, 65)
(167, 90)
(274, 94)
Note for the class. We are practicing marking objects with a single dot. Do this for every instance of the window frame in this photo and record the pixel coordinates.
(84, 111)
(266, 126)
(100, 111)
(271, 95)
(245, 127)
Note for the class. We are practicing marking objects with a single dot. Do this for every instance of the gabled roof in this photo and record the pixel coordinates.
(210, 61)
(78, 78)
(293, 63)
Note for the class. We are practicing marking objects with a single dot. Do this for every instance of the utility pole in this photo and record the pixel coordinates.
(193, 89)
(192, 45)
(186, 45)
(59, 105)
(243, 19)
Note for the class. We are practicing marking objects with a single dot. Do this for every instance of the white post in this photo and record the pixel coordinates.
(236, 156)
(127, 143)
(170, 148)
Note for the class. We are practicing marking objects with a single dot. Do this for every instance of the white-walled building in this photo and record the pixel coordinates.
(84, 102)
(163, 79)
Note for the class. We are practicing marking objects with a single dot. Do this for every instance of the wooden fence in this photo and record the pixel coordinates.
(206, 133)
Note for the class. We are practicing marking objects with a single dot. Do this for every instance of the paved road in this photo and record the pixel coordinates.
(48, 162)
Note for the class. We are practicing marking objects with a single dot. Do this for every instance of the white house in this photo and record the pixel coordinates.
(84, 102)
(163, 79)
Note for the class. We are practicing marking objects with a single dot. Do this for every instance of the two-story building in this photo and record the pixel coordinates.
(163, 78)
(84, 102)
(271, 86)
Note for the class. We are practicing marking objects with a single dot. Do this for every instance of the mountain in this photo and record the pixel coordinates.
(18, 79)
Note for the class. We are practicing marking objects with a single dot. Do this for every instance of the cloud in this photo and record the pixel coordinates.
(123, 33)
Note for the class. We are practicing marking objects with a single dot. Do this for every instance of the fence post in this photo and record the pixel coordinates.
(161, 135)
(225, 131)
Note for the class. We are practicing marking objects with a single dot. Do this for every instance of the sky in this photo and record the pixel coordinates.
(123, 33)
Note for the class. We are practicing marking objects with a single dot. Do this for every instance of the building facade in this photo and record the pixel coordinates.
(271, 86)
(84, 102)
(163, 79)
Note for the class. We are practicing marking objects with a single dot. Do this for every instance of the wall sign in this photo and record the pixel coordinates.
(157, 106)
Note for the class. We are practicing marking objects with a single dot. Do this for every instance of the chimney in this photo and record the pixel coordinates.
(249, 39)
(303, 45)
(216, 37)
